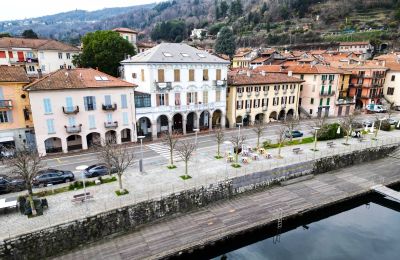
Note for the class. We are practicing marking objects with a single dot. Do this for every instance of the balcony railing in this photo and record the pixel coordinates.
(109, 107)
(73, 129)
(248, 94)
(163, 85)
(111, 124)
(248, 110)
(71, 110)
(264, 108)
(218, 83)
(257, 93)
(180, 108)
(327, 93)
(276, 92)
(240, 94)
(6, 103)
(347, 101)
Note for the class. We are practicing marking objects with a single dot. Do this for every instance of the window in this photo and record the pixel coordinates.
(249, 89)
(50, 126)
(68, 55)
(205, 75)
(47, 106)
(257, 89)
(2, 54)
(124, 101)
(177, 99)
(248, 104)
(109, 118)
(90, 103)
(218, 74)
(60, 56)
(142, 74)
(167, 54)
(301, 87)
(134, 75)
(125, 120)
(191, 98)
(315, 77)
(265, 102)
(205, 97)
(256, 103)
(31, 68)
(69, 104)
(218, 95)
(393, 78)
(161, 99)
(92, 122)
(320, 102)
(390, 91)
(71, 121)
(69, 67)
(61, 66)
(275, 101)
(312, 101)
(160, 75)
(276, 87)
(328, 101)
(239, 90)
(239, 104)
(177, 75)
(107, 100)
(142, 100)
(191, 75)
(266, 88)
(5, 116)
(10, 54)
(302, 76)
(310, 111)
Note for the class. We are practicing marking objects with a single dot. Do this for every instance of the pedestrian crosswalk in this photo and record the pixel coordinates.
(163, 150)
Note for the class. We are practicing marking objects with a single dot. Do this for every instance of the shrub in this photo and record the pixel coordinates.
(329, 132)
(385, 126)
(123, 192)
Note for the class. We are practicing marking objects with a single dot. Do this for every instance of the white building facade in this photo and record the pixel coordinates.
(180, 88)
(69, 116)
(36, 55)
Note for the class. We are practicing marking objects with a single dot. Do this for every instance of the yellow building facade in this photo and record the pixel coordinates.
(16, 126)
(261, 97)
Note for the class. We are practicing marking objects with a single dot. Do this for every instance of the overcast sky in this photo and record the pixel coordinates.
(20, 9)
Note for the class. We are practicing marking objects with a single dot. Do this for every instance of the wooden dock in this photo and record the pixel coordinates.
(386, 192)
(227, 218)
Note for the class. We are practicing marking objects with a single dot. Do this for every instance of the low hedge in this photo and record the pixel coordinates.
(329, 132)
(385, 126)
(268, 145)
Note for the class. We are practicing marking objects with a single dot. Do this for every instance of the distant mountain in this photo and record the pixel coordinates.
(70, 26)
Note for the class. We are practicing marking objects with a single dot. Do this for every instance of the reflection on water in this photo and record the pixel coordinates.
(369, 231)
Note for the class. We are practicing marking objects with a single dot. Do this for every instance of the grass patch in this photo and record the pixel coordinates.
(218, 157)
(121, 193)
(171, 167)
(314, 150)
(185, 177)
(306, 140)
(236, 165)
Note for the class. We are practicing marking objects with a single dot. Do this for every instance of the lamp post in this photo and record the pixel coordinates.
(315, 138)
(195, 140)
(227, 143)
(141, 137)
(379, 128)
(82, 168)
(239, 124)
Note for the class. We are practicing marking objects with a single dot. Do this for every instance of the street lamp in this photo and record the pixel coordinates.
(227, 143)
(315, 138)
(195, 140)
(82, 169)
(380, 124)
(141, 137)
(239, 124)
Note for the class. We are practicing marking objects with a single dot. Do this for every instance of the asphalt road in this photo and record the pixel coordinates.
(153, 156)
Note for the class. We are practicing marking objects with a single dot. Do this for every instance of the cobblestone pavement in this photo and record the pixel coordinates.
(159, 181)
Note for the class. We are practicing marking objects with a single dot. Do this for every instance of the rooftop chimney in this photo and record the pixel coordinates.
(263, 73)
(248, 73)
(290, 73)
(40, 74)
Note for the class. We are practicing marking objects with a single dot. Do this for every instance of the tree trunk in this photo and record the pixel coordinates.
(258, 142)
(236, 156)
(186, 168)
(279, 150)
(120, 181)
(32, 203)
(172, 157)
(218, 150)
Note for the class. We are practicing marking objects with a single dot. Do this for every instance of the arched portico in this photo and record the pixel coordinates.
(74, 142)
(53, 145)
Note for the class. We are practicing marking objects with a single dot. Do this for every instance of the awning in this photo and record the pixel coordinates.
(6, 139)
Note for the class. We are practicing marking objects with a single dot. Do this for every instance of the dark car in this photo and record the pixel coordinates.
(11, 185)
(97, 170)
(295, 134)
(52, 176)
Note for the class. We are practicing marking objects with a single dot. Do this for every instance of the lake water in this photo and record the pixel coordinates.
(367, 231)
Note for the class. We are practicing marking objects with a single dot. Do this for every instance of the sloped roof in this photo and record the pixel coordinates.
(257, 78)
(125, 30)
(36, 44)
(353, 43)
(174, 53)
(80, 78)
(299, 69)
(13, 74)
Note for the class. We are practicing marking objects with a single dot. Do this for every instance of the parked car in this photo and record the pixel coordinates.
(367, 123)
(376, 108)
(295, 134)
(392, 121)
(97, 170)
(11, 185)
(52, 176)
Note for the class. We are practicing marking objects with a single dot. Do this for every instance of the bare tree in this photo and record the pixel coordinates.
(291, 123)
(281, 133)
(26, 165)
(219, 138)
(115, 157)
(171, 139)
(259, 128)
(390, 110)
(237, 142)
(347, 124)
(185, 150)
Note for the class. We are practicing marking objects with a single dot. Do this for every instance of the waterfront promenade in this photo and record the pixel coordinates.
(224, 218)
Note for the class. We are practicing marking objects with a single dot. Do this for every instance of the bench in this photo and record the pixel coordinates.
(297, 150)
(331, 144)
(82, 197)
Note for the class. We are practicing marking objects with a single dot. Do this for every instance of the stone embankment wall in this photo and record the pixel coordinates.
(61, 238)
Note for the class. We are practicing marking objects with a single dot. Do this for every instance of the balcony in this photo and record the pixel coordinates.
(264, 108)
(240, 94)
(71, 110)
(276, 92)
(218, 83)
(6, 104)
(163, 85)
(248, 94)
(248, 110)
(109, 107)
(348, 101)
(284, 91)
(327, 93)
(73, 129)
(111, 124)
(257, 93)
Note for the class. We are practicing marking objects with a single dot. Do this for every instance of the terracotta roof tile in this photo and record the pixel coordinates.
(77, 79)
(13, 74)
(299, 69)
(36, 44)
(126, 30)
(352, 43)
(239, 78)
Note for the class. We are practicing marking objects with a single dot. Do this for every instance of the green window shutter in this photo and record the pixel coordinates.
(320, 101)
(327, 101)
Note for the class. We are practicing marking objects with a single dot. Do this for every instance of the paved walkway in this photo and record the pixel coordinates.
(158, 181)
(223, 218)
